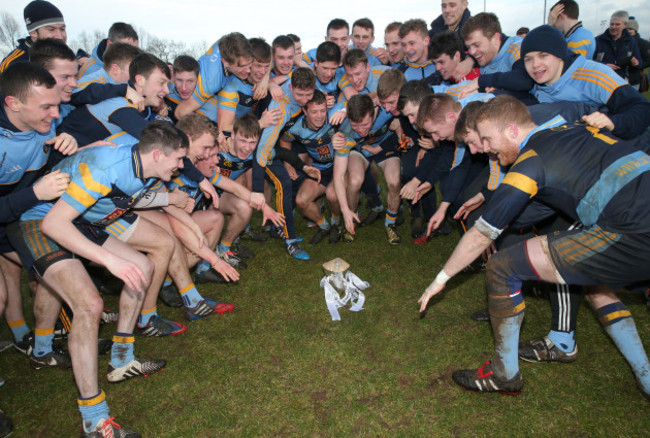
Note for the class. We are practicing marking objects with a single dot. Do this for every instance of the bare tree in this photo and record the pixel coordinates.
(9, 31)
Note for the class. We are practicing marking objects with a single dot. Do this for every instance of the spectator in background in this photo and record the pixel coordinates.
(644, 49)
(454, 16)
(522, 31)
(564, 16)
(616, 47)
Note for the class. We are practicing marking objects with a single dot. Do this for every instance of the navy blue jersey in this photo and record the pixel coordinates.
(587, 174)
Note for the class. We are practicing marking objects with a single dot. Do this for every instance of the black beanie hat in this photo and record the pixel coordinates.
(545, 39)
(41, 13)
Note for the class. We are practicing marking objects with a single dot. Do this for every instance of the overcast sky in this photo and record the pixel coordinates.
(206, 20)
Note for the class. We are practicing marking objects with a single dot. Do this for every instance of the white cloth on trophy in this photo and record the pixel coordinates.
(350, 285)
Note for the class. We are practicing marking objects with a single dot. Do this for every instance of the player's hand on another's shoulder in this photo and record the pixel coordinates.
(64, 143)
(51, 186)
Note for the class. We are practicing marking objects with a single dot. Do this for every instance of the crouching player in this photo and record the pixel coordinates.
(607, 194)
(312, 134)
(235, 201)
(105, 182)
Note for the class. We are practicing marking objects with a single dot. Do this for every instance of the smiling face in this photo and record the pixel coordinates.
(241, 68)
(200, 146)
(65, 74)
(473, 141)
(390, 104)
(544, 68)
(452, 11)
(283, 60)
(40, 108)
(208, 164)
(616, 26)
(446, 65)
(497, 143)
(316, 115)
(325, 71)
(411, 112)
(394, 46)
(363, 127)
(442, 129)
(154, 88)
(185, 83)
(358, 75)
(415, 46)
(258, 71)
(301, 96)
(482, 48)
(167, 165)
(242, 146)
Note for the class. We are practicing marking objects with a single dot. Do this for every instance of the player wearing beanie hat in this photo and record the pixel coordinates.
(43, 20)
(545, 39)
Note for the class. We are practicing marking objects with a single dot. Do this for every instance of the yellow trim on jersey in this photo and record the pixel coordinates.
(514, 49)
(273, 138)
(90, 183)
(228, 94)
(522, 182)
(199, 87)
(596, 77)
(495, 171)
(526, 155)
(116, 229)
(596, 133)
(577, 44)
(279, 197)
(80, 195)
(12, 57)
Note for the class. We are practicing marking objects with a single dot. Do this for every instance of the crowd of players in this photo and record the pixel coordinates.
(119, 160)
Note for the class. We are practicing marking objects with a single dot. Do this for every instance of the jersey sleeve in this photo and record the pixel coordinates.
(228, 99)
(86, 187)
(519, 186)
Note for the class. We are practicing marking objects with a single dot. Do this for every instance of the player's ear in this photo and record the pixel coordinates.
(12, 102)
(156, 154)
(513, 130)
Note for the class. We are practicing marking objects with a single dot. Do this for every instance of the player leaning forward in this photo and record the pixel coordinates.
(587, 174)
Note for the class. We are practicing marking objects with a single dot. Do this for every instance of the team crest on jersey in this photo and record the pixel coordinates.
(225, 172)
(324, 153)
(46, 148)
(110, 218)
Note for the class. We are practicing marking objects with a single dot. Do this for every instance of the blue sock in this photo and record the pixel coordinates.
(323, 225)
(224, 247)
(335, 220)
(391, 217)
(619, 325)
(506, 353)
(202, 266)
(92, 410)
(565, 341)
(146, 315)
(122, 350)
(43, 341)
(191, 297)
(168, 281)
(19, 329)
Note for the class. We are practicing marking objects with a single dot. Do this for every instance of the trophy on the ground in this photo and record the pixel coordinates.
(339, 280)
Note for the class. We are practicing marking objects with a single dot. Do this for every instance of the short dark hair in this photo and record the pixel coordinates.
(162, 135)
(486, 22)
(303, 78)
(504, 110)
(144, 64)
(522, 31)
(359, 106)
(318, 99)
(261, 50)
(571, 8)
(467, 119)
(390, 82)
(120, 53)
(185, 63)
(247, 126)
(283, 42)
(365, 23)
(328, 51)
(295, 38)
(234, 46)
(119, 31)
(20, 77)
(413, 92)
(44, 51)
(338, 23)
(354, 57)
(446, 43)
